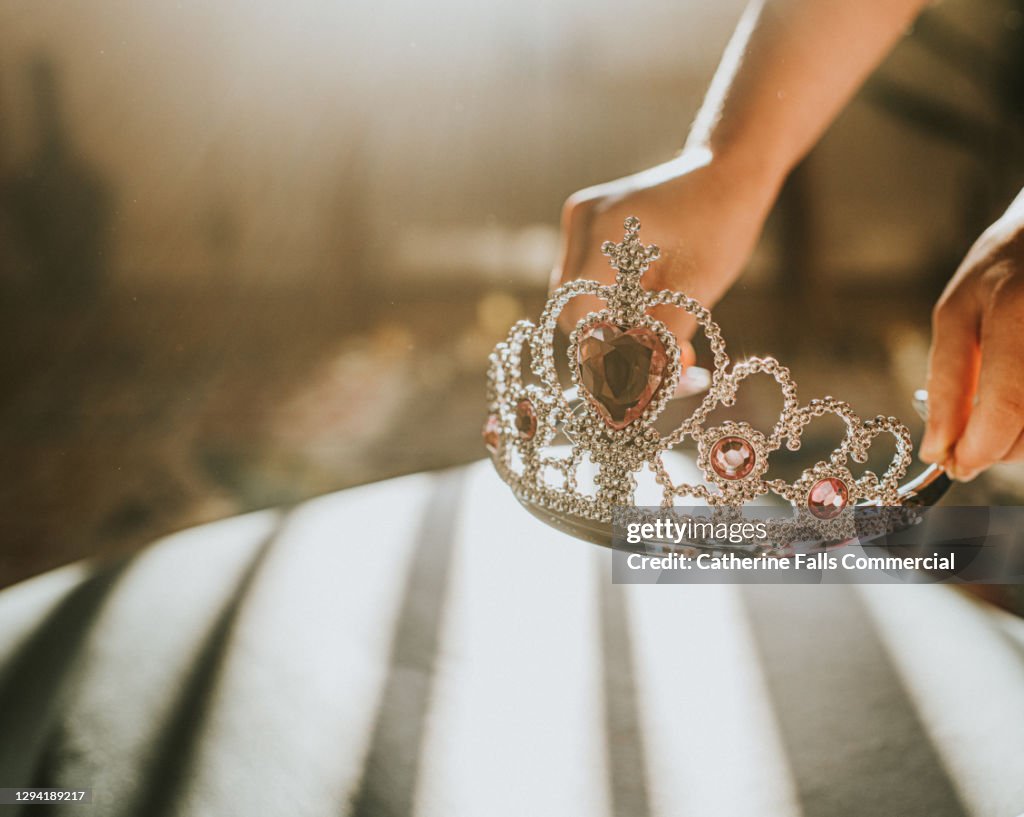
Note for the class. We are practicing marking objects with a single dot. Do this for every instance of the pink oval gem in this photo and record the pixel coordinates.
(827, 498)
(492, 432)
(526, 420)
(732, 458)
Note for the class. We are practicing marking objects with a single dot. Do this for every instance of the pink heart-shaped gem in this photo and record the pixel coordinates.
(620, 370)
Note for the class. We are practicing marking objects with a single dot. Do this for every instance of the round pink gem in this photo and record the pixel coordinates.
(492, 432)
(526, 420)
(827, 498)
(732, 458)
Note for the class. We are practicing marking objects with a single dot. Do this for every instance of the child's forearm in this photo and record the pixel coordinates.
(788, 70)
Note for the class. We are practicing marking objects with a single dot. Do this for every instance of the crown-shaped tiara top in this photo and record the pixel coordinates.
(625, 366)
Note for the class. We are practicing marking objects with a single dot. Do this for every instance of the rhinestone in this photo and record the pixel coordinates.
(827, 498)
(492, 432)
(732, 458)
(526, 420)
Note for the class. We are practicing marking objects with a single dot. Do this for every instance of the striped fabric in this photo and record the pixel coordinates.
(423, 646)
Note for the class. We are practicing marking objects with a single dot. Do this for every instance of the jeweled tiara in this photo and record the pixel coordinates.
(625, 367)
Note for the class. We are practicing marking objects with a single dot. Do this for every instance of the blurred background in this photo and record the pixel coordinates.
(254, 252)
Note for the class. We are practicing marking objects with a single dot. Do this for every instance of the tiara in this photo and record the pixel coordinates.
(625, 367)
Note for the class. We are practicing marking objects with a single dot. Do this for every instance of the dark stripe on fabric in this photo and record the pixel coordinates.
(391, 769)
(33, 682)
(627, 762)
(852, 734)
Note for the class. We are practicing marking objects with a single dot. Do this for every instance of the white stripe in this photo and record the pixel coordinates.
(142, 646)
(517, 727)
(713, 745)
(293, 713)
(24, 606)
(968, 683)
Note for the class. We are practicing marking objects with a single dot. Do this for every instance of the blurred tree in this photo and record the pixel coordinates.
(59, 209)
